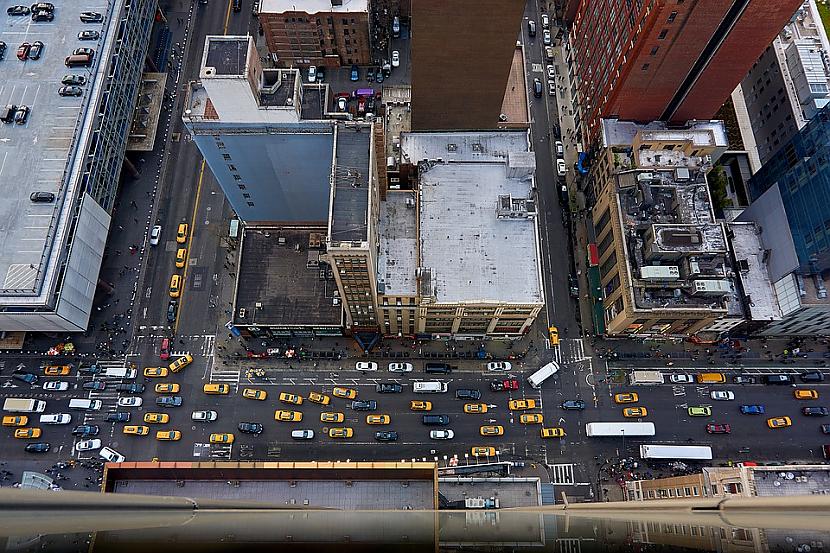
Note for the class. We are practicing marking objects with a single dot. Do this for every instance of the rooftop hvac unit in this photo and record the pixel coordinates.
(711, 287)
(660, 272)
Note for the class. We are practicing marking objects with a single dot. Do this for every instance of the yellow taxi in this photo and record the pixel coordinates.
(293, 399)
(553, 432)
(475, 408)
(805, 394)
(420, 405)
(156, 418)
(15, 420)
(215, 389)
(531, 418)
(168, 435)
(136, 430)
(483, 451)
(553, 335)
(332, 417)
(288, 416)
(345, 432)
(779, 422)
(634, 412)
(378, 419)
(27, 433)
(181, 257)
(346, 393)
(57, 370)
(491, 430)
(155, 372)
(522, 404)
(175, 286)
(223, 438)
(181, 233)
(181, 363)
(253, 393)
(631, 397)
(317, 397)
(167, 388)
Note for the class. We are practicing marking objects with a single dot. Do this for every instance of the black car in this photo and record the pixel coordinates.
(91, 17)
(388, 388)
(537, 88)
(36, 50)
(133, 388)
(70, 91)
(365, 405)
(123, 416)
(169, 401)
(250, 427)
(38, 447)
(815, 411)
(171, 311)
(2, 49)
(812, 376)
(386, 436)
(42, 197)
(86, 430)
(40, 16)
(18, 10)
(778, 379)
(467, 394)
(73, 80)
(96, 385)
(436, 420)
(573, 405)
(91, 369)
(29, 378)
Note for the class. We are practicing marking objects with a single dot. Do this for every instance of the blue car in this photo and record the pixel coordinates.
(753, 409)
(355, 73)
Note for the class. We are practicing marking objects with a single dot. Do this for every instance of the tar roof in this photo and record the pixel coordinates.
(350, 205)
(227, 55)
(37, 156)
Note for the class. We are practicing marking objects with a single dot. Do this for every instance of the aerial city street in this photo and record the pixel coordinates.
(343, 231)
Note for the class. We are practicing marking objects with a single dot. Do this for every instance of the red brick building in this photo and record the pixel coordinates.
(669, 60)
(461, 55)
(326, 33)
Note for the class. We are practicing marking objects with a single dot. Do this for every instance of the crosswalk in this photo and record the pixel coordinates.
(562, 473)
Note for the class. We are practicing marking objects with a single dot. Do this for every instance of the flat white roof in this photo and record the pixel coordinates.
(313, 6)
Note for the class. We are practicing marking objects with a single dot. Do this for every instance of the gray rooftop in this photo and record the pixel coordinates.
(350, 205)
(398, 257)
(474, 255)
(227, 55)
(39, 156)
(280, 271)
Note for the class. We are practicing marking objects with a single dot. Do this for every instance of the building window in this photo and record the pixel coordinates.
(672, 15)
(662, 34)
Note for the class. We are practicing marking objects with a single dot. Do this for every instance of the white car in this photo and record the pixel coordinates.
(56, 385)
(561, 169)
(312, 74)
(155, 235)
(400, 367)
(111, 456)
(57, 418)
(551, 72)
(130, 401)
(86, 445)
(441, 434)
(396, 58)
(366, 366)
(499, 366)
(722, 395)
(681, 379)
(204, 416)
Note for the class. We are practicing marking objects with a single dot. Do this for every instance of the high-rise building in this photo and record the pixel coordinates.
(667, 60)
(461, 55)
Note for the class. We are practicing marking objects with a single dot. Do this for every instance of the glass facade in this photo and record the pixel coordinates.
(802, 170)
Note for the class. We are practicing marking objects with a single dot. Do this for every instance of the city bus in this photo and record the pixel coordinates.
(658, 451)
(619, 429)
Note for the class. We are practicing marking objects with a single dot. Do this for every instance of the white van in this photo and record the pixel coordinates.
(429, 387)
(85, 404)
(120, 372)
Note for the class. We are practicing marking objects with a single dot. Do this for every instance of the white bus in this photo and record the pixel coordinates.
(657, 451)
(619, 429)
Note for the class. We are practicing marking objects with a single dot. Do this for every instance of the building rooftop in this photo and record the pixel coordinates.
(279, 269)
(42, 155)
(350, 202)
(398, 256)
(477, 219)
(313, 6)
(227, 55)
(752, 273)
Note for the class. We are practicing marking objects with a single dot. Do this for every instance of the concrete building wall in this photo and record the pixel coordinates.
(461, 56)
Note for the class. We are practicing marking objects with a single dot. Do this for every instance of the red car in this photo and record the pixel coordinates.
(712, 428)
(23, 51)
(165, 349)
(504, 385)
